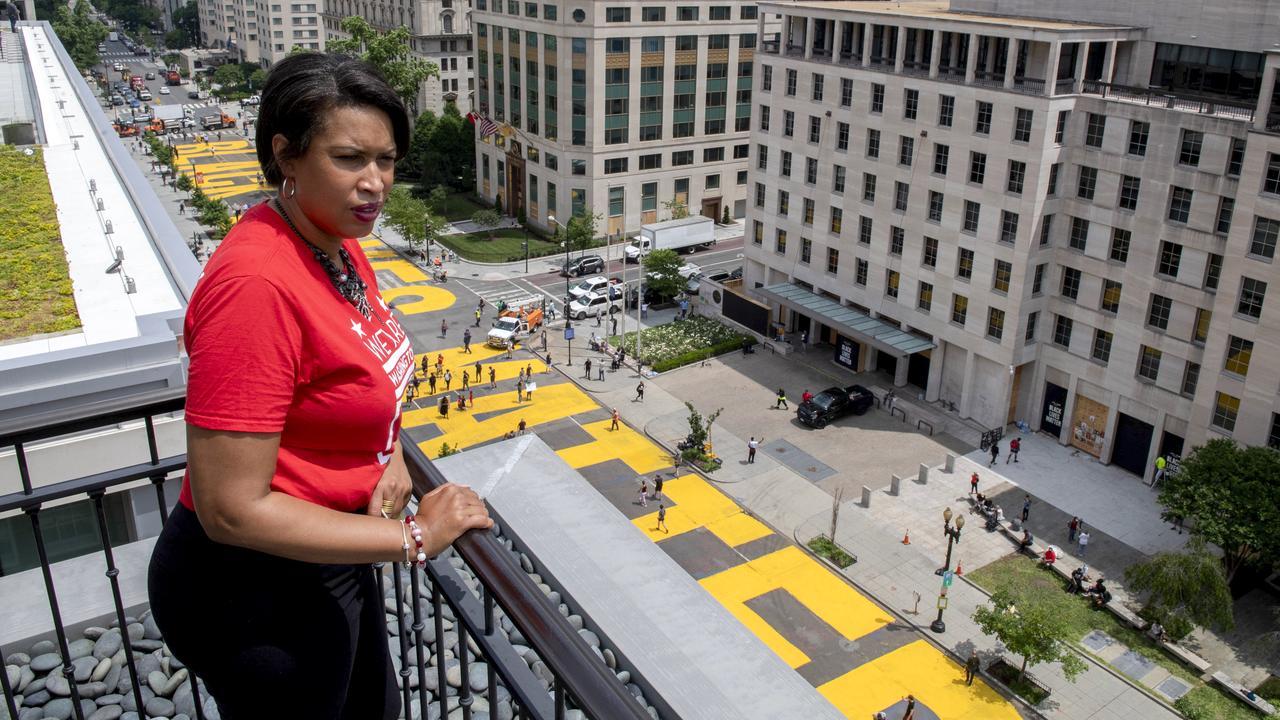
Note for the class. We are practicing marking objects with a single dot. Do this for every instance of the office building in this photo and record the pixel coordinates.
(1064, 214)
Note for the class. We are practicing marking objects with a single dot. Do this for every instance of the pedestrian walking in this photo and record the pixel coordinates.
(444, 327)
(657, 486)
(1082, 542)
(752, 444)
(587, 373)
(448, 379)
(890, 397)
(466, 341)
(614, 418)
(521, 427)
(424, 365)
(528, 371)
(910, 714)
(1158, 474)
(471, 398)
(598, 320)
(548, 361)
(444, 406)
(13, 16)
(1072, 528)
(478, 317)
(971, 667)
(466, 380)
(1026, 508)
(440, 363)
(478, 369)
(995, 452)
(662, 519)
(431, 383)
(639, 392)
(644, 493)
(510, 346)
(182, 208)
(973, 484)
(600, 372)
(1014, 446)
(782, 400)
(493, 381)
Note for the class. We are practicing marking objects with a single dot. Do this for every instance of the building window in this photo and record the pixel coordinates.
(617, 14)
(860, 272)
(972, 213)
(784, 202)
(1033, 319)
(935, 205)
(649, 196)
(1265, 233)
(1170, 259)
(1070, 283)
(785, 170)
(1200, 331)
(759, 195)
(1111, 296)
(910, 103)
(1017, 176)
(1095, 130)
(982, 118)
(959, 309)
(837, 220)
(683, 157)
(1190, 378)
(1062, 331)
(906, 148)
(792, 77)
(1273, 439)
(766, 78)
(780, 242)
(1079, 237)
(995, 324)
(720, 12)
(686, 13)
(711, 182)
(617, 201)
(1180, 204)
(946, 110)
(653, 14)
(762, 157)
(897, 238)
(1252, 293)
(864, 229)
(924, 296)
(811, 170)
(977, 167)
(1008, 227)
(815, 129)
(806, 250)
(1129, 192)
(891, 283)
(877, 98)
(816, 89)
(1226, 208)
(964, 264)
(901, 193)
(788, 123)
(764, 117)
(1037, 282)
(833, 261)
(1138, 134)
(929, 258)
(941, 156)
(1239, 351)
(1003, 274)
(1189, 153)
(1158, 312)
(1101, 346)
(1271, 180)
(1225, 410)
(837, 178)
(1213, 272)
(873, 143)
(1120, 240)
(758, 236)
(842, 136)
(652, 162)
(1060, 131)
(846, 92)
(1235, 159)
(868, 187)
(1088, 182)
(1046, 230)
(615, 165)
(1051, 187)
(1022, 121)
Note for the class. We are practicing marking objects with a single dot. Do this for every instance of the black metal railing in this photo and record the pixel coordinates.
(1064, 87)
(1236, 109)
(505, 593)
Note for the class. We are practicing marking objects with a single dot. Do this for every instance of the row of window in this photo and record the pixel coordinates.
(684, 13)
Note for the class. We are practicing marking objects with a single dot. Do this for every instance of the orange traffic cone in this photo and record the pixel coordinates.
(906, 537)
(959, 569)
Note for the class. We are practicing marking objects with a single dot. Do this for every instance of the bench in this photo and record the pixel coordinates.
(1186, 656)
(1127, 615)
(1242, 693)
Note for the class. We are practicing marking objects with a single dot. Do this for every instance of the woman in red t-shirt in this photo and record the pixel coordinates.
(261, 580)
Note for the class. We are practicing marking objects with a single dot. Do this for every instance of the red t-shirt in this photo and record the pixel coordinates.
(275, 349)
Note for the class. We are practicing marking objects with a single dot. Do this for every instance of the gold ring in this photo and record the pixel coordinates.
(388, 506)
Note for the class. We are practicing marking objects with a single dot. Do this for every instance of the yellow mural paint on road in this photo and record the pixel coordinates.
(402, 269)
(378, 254)
(456, 359)
(624, 444)
(918, 669)
(461, 429)
(697, 504)
(811, 584)
(430, 299)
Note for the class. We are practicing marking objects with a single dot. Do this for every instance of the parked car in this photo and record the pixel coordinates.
(151, 75)
(584, 265)
(164, 90)
(251, 100)
(719, 276)
(135, 103)
(193, 94)
(605, 302)
(834, 403)
(117, 100)
(596, 283)
(145, 94)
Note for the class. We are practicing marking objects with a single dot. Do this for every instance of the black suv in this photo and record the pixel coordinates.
(834, 403)
(584, 265)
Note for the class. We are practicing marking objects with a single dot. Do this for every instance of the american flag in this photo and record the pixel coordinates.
(486, 126)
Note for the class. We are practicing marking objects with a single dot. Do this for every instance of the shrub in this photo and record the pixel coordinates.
(681, 343)
(823, 546)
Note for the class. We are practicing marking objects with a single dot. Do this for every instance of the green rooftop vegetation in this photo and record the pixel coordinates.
(35, 287)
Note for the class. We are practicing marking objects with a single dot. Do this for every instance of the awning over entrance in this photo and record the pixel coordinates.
(859, 326)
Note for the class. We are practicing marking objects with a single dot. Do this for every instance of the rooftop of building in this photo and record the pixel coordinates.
(934, 10)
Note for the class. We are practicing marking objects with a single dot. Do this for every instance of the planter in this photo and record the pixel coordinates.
(1028, 688)
(832, 552)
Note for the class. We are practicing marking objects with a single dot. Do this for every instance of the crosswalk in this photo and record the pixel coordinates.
(509, 291)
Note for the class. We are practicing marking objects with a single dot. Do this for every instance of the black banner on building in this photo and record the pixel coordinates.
(847, 353)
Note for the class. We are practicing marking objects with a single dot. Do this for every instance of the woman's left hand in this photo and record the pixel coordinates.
(394, 486)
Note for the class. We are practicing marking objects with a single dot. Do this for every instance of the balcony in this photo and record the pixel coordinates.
(484, 586)
(1232, 109)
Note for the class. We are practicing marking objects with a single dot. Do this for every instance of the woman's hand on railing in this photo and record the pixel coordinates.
(447, 512)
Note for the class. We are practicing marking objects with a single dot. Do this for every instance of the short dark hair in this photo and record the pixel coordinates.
(302, 89)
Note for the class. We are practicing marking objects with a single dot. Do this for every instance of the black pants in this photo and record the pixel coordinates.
(272, 637)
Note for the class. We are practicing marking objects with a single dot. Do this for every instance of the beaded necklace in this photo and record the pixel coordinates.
(348, 284)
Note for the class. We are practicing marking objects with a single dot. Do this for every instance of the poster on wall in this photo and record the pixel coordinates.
(846, 353)
(1089, 425)
(1055, 404)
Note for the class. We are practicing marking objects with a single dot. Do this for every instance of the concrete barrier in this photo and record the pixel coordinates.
(923, 476)
(951, 462)
(895, 485)
(866, 496)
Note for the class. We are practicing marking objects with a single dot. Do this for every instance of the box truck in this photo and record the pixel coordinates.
(683, 235)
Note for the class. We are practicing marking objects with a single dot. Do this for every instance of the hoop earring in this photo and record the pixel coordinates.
(289, 195)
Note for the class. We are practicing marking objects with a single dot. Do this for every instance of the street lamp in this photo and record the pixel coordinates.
(568, 323)
(953, 535)
(526, 248)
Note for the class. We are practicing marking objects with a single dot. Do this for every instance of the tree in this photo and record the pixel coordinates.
(80, 34)
(229, 76)
(257, 79)
(448, 157)
(389, 52)
(186, 27)
(662, 273)
(411, 217)
(580, 231)
(415, 160)
(1029, 628)
(487, 219)
(677, 208)
(699, 431)
(727, 219)
(1230, 495)
(1188, 585)
(438, 200)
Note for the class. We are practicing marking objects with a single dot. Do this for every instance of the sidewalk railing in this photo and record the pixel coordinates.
(580, 678)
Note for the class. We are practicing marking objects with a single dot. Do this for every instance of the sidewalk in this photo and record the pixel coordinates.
(887, 570)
